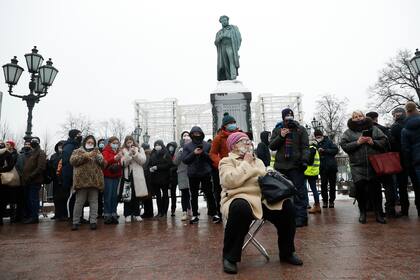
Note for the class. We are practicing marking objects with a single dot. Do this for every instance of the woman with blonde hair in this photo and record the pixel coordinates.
(133, 161)
(359, 141)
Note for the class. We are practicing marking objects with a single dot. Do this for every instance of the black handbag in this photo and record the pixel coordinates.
(275, 187)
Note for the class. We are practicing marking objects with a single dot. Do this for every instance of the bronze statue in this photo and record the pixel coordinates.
(228, 41)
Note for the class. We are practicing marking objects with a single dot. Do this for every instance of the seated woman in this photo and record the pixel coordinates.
(242, 203)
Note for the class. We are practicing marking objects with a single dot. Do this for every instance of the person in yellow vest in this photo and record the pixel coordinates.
(311, 175)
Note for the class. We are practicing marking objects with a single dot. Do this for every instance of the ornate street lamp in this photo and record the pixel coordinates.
(317, 125)
(308, 129)
(42, 77)
(146, 138)
(415, 63)
(136, 133)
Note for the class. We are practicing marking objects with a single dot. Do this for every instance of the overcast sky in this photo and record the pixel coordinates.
(110, 53)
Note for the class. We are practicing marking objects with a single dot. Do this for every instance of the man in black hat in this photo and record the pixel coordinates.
(73, 143)
(290, 141)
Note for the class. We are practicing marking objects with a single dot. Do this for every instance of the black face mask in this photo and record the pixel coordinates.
(2, 146)
(26, 149)
(78, 139)
(34, 145)
(196, 139)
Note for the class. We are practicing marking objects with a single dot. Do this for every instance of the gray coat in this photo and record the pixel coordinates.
(360, 166)
(183, 182)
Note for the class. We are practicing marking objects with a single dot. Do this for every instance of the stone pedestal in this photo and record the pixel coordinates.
(232, 97)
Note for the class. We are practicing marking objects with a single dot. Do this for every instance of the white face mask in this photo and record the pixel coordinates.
(158, 148)
(289, 118)
(89, 146)
(246, 149)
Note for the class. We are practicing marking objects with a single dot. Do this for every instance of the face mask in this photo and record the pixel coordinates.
(158, 148)
(89, 147)
(246, 149)
(231, 127)
(60, 150)
(319, 139)
(78, 139)
(289, 118)
(101, 146)
(26, 149)
(34, 145)
(171, 149)
(114, 146)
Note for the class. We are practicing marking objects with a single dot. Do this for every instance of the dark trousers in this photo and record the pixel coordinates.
(402, 183)
(32, 200)
(132, 208)
(60, 196)
(173, 197)
(301, 197)
(185, 200)
(217, 189)
(368, 192)
(328, 178)
(162, 198)
(240, 218)
(389, 187)
(415, 180)
(206, 187)
(148, 207)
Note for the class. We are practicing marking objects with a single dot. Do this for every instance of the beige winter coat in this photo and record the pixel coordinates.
(239, 179)
(134, 162)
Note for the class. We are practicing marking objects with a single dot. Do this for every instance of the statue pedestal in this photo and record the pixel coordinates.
(232, 97)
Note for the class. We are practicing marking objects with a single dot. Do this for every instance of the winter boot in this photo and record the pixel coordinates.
(315, 209)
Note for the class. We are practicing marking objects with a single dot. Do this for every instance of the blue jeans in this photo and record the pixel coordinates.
(32, 200)
(312, 185)
(111, 196)
(301, 198)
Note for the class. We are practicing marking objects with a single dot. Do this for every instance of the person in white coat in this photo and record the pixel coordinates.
(133, 176)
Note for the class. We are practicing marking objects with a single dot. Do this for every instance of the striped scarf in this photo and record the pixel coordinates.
(288, 146)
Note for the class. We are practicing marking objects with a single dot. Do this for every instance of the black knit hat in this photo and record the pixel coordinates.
(287, 112)
(227, 119)
(73, 133)
(372, 115)
(318, 132)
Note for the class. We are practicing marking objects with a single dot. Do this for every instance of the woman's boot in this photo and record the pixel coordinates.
(315, 209)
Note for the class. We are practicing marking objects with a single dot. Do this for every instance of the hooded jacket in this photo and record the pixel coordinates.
(328, 161)
(300, 146)
(219, 148)
(263, 152)
(360, 166)
(173, 169)
(162, 160)
(67, 170)
(198, 165)
(410, 142)
(54, 160)
(396, 130)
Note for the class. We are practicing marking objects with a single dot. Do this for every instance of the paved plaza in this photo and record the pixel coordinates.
(333, 246)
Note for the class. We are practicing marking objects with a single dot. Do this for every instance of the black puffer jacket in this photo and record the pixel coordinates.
(410, 141)
(198, 165)
(327, 156)
(173, 170)
(263, 152)
(360, 166)
(162, 160)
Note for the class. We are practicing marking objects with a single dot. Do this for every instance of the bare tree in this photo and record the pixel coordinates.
(332, 112)
(80, 122)
(396, 84)
(4, 130)
(102, 128)
(118, 128)
(46, 143)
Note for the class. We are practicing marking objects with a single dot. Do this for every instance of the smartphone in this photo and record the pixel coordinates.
(367, 133)
(200, 146)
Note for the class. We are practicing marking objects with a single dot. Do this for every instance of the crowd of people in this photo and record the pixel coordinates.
(101, 173)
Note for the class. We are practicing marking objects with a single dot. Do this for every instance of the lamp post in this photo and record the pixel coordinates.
(317, 125)
(136, 133)
(146, 138)
(42, 77)
(308, 129)
(415, 63)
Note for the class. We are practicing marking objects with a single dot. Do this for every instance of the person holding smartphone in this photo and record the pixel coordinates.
(196, 155)
(359, 141)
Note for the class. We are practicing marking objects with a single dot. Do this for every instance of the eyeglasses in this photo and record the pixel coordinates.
(245, 141)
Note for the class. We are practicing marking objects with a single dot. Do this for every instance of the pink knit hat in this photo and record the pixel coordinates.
(234, 138)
